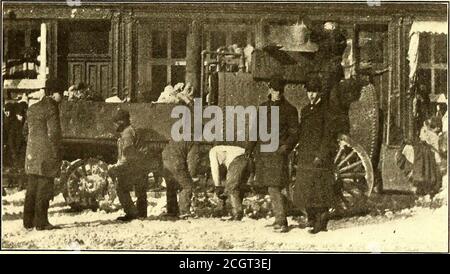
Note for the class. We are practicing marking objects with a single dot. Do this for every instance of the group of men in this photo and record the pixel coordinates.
(315, 133)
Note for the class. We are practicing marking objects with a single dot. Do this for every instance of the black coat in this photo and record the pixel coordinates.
(43, 153)
(272, 167)
(317, 139)
(15, 141)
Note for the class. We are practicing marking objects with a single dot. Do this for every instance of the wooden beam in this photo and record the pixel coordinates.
(193, 55)
(115, 53)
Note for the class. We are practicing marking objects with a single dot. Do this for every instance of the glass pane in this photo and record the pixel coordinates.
(159, 44)
(424, 80)
(179, 41)
(424, 48)
(159, 81)
(239, 38)
(372, 46)
(440, 48)
(178, 74)
(440, 81)
(35, 33)
(218, 39)
(16, 44)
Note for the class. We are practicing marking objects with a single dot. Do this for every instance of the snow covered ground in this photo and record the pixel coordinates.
(396, 223)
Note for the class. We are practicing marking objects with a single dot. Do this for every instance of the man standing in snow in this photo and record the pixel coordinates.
(272, 167)
(43, 158)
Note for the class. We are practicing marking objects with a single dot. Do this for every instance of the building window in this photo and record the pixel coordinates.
(221, 35)
(217, 36)
(432, 68)
(167, 51)
(21, 49)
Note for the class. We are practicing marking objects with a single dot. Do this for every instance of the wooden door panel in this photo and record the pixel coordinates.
(92, 75)
(104, 79)
(76, 72)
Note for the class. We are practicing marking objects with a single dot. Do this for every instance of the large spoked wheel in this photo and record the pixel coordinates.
(354, 176)
(86, 184)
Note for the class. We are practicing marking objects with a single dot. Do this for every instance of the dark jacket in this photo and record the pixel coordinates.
(288, 124)
(131, 154)
(317, 139)
(15, 141)
(182, 155)
(272, 167)
(43, 153)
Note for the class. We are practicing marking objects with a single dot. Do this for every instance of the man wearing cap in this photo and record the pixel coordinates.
(317, 145)
(272, 167)
(131, 169)
(43, 158)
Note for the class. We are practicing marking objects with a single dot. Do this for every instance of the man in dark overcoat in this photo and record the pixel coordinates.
(317, 146)
(43, 158)
(181, 161)
(272, 167)
(131, 168)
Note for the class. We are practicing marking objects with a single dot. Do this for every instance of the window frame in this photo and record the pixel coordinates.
(432, 65)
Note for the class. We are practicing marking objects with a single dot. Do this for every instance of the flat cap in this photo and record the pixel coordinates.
(121, 115)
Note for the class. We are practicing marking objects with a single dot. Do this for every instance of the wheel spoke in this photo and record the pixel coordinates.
(354, 175)
(344, 200)
(355, 164)
(83, 168)
(346, 159)
(339, 153)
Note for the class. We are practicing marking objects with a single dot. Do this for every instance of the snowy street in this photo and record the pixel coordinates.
(396, 223)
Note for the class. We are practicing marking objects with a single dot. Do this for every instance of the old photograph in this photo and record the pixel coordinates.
(265, 126)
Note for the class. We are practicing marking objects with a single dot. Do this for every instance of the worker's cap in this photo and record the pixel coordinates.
(277, 83)
(121, 115)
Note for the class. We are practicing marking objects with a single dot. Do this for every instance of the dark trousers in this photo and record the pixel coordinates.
(125, 185)
(237, 175)
(178, 179)
(279, 204)
(39, 192)
(313, 212)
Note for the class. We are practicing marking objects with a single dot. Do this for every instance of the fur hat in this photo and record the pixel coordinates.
(121, 115)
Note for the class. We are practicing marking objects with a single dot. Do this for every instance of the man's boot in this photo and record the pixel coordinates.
(321, 222)
(141, 205)
(127, 205)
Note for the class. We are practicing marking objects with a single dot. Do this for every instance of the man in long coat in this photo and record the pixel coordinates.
(317, 145)
(272, 167)
(43, 159)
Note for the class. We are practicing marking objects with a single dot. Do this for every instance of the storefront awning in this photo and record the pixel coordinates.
(434, 27)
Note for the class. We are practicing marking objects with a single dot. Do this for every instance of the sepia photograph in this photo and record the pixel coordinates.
(224, 126)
